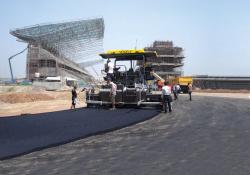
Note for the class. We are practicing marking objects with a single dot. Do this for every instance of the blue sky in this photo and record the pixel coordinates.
(215, 34)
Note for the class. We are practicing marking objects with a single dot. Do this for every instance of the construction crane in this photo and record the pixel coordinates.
(11, 72)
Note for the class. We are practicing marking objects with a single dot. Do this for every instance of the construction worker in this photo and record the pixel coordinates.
(112, 92)
(110, 69)
(176, 90)
(74, 98)
(86, 91)
(159, 84)
(190, 89)
(166, 97)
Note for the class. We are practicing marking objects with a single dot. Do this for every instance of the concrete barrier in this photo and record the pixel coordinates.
(50, 86)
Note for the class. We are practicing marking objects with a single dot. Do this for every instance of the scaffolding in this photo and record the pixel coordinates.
(62, 48)
(169, 61)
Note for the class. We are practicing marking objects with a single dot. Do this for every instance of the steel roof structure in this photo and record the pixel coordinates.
(77, 41)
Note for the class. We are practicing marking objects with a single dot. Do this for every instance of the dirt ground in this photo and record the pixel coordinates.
(18, 103)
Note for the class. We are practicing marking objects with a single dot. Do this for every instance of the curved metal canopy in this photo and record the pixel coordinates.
(77, 40)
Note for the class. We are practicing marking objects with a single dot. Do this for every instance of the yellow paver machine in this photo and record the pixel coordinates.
(131, 75)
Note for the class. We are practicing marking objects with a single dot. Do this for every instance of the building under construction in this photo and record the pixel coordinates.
(169, 61)
(62, 49)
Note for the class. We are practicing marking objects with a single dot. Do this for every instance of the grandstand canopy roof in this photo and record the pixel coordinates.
(76, 40)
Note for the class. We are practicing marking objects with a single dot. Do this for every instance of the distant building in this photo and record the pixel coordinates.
(221, 82)
(62, 49)
(169, 61)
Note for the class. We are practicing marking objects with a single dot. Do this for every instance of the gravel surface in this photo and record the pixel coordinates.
(207, 136)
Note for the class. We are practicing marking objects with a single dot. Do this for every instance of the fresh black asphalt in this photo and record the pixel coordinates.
(207, 136)
(23, 134)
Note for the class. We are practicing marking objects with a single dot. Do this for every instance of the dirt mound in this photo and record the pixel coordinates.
(24, 97)
(15, 89)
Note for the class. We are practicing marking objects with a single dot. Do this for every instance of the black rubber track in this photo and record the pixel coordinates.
(24, 134)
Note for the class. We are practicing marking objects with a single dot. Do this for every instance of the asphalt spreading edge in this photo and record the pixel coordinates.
(20, 135)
